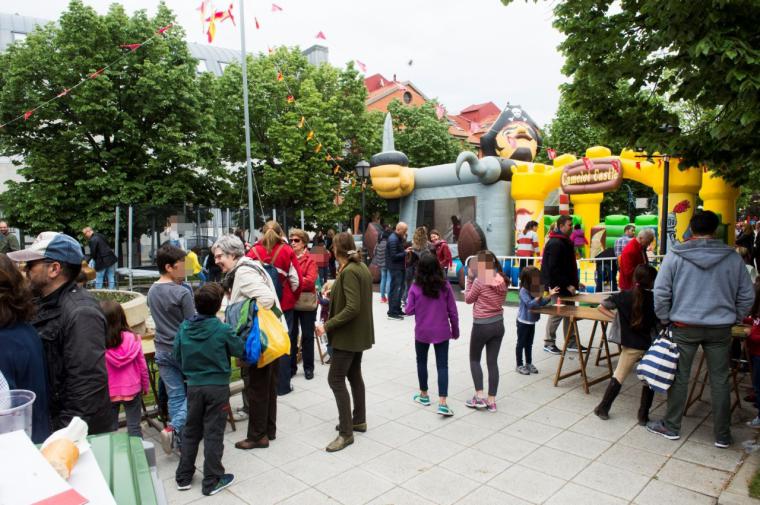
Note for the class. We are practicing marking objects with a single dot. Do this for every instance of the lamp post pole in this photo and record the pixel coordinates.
(248, 169)
(664, 221)
(362, 170)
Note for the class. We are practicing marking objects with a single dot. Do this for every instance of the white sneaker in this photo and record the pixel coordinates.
(167, 439)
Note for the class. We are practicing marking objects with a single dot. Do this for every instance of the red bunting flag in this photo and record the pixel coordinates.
(588, 163)
(318, 148)
(63, 93)
(551, 153)
(361, 66)
(96, 73)
(227, 15)
(440, 111)
(291, 99)
(279, 76)
(301, 122)
(28, 114)
(256, 20)
(321, 35)
(276, 8)
(163, 29)
(131, 47)
(310, 135)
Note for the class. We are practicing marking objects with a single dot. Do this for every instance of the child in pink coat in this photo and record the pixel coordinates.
(127, 371)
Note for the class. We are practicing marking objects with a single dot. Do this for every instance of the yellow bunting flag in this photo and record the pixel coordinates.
(336, 169)
(301, 122)
(310, 135)
(318, 148)
(291, 99)
(279, 76)
(328, 158)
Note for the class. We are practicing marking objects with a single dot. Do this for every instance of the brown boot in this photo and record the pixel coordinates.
(602, 410)
(647, 396)
(339, 443)
(248, 444)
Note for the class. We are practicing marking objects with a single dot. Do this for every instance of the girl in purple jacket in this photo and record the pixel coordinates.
(436, 321)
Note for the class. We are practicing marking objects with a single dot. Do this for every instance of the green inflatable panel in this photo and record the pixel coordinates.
(647, 220)
(616, 219)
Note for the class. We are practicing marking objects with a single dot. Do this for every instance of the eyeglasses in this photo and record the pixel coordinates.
(295, 240)
(31, 264)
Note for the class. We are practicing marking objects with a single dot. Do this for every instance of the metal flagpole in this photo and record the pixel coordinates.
(248, 169)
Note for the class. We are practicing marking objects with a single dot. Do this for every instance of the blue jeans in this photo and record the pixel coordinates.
(385, 281)
(395, 292)
(171, 373)
(323, 273)
(441, 365)
(108, 271)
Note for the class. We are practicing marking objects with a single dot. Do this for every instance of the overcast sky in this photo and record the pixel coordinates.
(463, 52)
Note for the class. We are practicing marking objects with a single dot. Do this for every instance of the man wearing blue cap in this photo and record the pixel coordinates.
(73, 332)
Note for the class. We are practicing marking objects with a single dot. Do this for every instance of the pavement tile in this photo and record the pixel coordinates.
(528, 484)
(393, 434)
(555, 417)
(432, 448)
(354, 487)
(440, 485)
(475, 465)
(658, 492)
(709, 455)
(695, 477)
(554, 462)
(223, 498)
(640, 438)
(424, 419)
(517, 407)
(363, 449)
(611, 430)
(573, 494)
(316, 467)
(487, 495)
(399, 496)
(268, 487)
(580, 445)
(397, 466)
(506, 447)
(462, 432)
(310, 496)
(634, 460)
(611, 480)
(531, 431)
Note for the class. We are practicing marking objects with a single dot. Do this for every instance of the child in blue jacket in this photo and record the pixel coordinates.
(530, 298)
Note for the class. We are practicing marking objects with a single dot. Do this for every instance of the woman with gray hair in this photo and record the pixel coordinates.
(247, 279)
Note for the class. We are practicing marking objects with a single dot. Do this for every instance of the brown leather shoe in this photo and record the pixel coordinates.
(339, 443)
(247, 444)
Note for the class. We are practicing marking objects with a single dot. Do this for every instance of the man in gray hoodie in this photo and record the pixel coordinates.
(702, 290)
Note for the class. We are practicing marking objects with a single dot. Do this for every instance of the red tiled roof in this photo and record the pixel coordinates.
(480, 112)
(375, 82)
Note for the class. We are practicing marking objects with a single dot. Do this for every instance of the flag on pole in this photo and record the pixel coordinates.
(276, 8)
(321, 35)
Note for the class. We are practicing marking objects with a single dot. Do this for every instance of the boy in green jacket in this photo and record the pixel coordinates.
(203, 347)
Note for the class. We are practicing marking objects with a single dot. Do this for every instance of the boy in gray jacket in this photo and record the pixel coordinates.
(702, 290)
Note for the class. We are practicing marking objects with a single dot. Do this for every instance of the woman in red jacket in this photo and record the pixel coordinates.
(273, 250)
(306, 306)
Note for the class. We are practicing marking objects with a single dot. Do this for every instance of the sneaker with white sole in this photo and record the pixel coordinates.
(523, 370)
(167, 439)
(184, 487)
(475, 403)
(444, 410)
(491, 406)
(532, 368)
(659, 428)
(552, 349)
(422, 400)
(723, 443)
(223, 482)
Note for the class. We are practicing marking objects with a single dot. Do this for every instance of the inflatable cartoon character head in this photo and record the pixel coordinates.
(513, 136)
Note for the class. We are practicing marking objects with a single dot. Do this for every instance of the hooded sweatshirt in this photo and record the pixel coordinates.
(703, 282)
(203, 348)
(127, 371)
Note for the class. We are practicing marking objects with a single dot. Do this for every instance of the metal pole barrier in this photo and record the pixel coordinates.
(248, 169)
(117, 245)
(129, 239)
(664, 220)
(302, 222)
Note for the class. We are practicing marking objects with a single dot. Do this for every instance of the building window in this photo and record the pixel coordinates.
(202, 67)
(407, 97)
(18, 36)
(223, 65)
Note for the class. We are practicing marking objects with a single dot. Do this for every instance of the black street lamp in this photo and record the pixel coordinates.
(362, 170)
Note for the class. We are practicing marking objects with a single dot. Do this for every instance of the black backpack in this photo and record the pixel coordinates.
(272, 270)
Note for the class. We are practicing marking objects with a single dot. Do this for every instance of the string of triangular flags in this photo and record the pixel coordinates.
(131, 48)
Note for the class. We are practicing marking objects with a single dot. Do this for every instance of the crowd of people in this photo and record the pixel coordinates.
(81, 358)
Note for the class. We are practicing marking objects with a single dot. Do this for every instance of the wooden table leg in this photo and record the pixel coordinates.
(581, 358)
(559, 375)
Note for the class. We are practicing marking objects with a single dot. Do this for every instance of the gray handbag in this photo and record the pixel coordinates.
(613, 330)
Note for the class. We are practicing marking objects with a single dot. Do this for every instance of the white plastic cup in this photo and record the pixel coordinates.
(16, 410)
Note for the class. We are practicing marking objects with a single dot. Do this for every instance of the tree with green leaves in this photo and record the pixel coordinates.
(669, 76)
(300, 163)
(137, 132)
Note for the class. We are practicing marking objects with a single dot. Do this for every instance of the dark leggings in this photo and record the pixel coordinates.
(441, 365)
(525, 334)
(488, 336)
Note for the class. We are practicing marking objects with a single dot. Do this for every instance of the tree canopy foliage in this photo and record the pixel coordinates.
(668, 76)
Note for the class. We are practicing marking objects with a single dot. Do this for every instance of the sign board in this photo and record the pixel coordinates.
(595, 175)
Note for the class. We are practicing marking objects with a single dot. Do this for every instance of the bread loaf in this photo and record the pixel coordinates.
(62, 455)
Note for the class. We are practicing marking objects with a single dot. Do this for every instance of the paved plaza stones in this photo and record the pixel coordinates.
(544, 445)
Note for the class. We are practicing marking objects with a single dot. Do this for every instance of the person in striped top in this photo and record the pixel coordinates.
(526, 245)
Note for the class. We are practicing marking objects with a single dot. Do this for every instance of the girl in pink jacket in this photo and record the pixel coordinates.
(127, 371)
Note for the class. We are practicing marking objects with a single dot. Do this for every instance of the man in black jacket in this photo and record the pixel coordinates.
(73, 332)
(104, 258)
(558, 269)
(394, 259)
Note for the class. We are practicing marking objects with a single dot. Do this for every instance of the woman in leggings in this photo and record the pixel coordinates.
(486, 288)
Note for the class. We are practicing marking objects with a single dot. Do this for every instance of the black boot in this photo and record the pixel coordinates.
(647, 395)
(603, 409)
